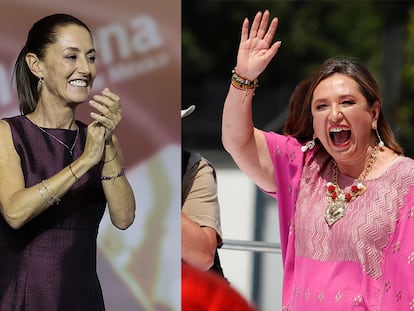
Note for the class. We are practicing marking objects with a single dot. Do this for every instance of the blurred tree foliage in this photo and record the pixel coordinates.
(405, 113)
(379, 33)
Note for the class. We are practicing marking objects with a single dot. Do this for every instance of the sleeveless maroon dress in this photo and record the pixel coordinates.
(50, 263)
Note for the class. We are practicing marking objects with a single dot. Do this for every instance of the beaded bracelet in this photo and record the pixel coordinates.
(121, 173)
(242, 83)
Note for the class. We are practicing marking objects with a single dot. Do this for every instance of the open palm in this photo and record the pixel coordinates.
(256, 49)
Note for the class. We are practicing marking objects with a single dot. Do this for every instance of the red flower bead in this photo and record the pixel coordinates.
(354, 189)
(334, 196)
(331, 188)
(348, 197)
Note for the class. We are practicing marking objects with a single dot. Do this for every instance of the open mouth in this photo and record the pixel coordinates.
(340, 136)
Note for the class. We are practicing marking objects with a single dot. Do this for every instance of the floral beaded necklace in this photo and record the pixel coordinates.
(338, 198)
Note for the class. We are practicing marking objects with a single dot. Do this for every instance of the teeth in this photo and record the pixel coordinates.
(80, 83)
(337, 129)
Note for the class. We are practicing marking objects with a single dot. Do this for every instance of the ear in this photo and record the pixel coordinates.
(375, 112)
(34, 65)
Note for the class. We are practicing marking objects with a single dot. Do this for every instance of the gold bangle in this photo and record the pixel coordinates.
(73, 173)
(242, 83)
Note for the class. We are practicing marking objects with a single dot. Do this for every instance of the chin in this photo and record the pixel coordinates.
(78, 100)
(80, 96)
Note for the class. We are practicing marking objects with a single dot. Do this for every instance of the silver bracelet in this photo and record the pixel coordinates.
(50, 198)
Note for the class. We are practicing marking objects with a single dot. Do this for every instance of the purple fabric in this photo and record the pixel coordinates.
(50, 263)
(366, 260)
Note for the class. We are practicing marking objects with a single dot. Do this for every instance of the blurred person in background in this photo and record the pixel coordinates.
(58, 174)
(203, 284)
(200, 213)
(344, 189)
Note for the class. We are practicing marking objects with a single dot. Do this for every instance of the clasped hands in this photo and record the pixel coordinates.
(109, 111)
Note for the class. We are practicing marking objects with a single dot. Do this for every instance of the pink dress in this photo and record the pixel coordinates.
(365, 261)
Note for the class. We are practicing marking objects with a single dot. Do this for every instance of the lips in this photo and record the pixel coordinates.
(340, 135)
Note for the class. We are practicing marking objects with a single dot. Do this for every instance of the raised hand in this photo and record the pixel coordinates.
(109, 111)
(256, 49)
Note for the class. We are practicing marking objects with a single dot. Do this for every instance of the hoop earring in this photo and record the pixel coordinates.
(308, 146)
(39, 84)
(380, 142)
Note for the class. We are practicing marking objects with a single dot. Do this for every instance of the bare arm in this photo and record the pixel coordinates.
(240, 138)
(18, 205)
(198, 244)
(200, 216)
(118, 192)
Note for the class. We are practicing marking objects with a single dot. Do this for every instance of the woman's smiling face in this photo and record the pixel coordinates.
(342, 119)
(69, 65)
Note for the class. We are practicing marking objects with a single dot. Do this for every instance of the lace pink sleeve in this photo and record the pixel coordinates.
(398, 286)
(288, 162)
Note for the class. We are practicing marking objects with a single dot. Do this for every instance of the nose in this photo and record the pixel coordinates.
(84, 66)
(335, 114)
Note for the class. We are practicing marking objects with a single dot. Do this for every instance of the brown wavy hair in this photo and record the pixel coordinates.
(299, 123)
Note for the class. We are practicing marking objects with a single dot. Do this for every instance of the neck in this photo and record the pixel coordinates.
(63, 119)
(364, 167)
(356, 167)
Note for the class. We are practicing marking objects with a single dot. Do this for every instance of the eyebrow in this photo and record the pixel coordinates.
(342, 97)
(73, 49)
